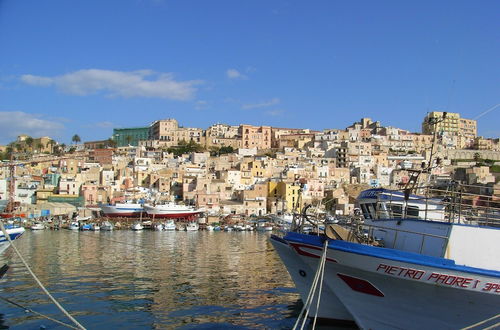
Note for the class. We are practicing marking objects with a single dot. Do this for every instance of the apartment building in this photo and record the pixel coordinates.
(255, 136)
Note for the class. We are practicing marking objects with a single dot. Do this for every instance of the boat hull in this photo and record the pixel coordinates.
(14, 233)
(170, 212)
(331, 308)
(394, 289)
(122, 210)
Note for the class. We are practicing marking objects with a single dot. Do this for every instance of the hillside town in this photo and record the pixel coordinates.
(243, 170)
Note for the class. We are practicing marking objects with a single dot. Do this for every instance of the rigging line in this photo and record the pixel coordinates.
(487, 111)
(29, 310)
(61, 308)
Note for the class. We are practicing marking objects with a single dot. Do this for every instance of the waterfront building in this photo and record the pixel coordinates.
(130, 136)
(284, 195)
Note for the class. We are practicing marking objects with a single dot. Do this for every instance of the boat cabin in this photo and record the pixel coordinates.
(383, 203)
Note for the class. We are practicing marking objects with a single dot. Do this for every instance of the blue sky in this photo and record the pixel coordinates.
(86, 67)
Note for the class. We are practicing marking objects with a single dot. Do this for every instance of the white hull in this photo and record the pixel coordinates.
(192, 227)
(331, 308)
(137, 227)
(384, 292)
(171, 211)
(122, 210)
(37, 226)
(14, 233)
(169, 226)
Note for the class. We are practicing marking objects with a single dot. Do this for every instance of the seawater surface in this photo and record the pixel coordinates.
(130, 280)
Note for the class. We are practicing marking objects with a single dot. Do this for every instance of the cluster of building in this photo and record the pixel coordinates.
(272, 170)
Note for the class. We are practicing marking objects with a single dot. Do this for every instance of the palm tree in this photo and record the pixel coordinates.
(76, 139)
(29, 142)
(39, 146)
(51, 143)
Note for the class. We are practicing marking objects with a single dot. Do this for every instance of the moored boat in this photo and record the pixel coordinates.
(14, 233)
(137, 226)
(127, 209)
(401, 271)
(107, 226)
(192, 226)
(37, 226)
(171, 210)
(169, 225)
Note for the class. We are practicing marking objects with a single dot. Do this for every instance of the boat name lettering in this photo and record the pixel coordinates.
(492, 287)
(401, 271)
(451, 280)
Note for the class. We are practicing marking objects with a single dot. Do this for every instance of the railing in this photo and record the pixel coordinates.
(457, 205)
(369, 238)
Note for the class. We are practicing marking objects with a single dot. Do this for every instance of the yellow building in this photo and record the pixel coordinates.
(451, 123)
(284, 196)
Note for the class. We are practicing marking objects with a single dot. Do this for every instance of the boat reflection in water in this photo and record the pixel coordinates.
(158, 279)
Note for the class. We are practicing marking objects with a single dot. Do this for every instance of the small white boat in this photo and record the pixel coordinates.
(37, 226)
(137, 226)
(107, 226)
(74, 226)
(169, 225)
(192, 226)
(158, 227)
(209, 228)
(95, 227)
(14, 232)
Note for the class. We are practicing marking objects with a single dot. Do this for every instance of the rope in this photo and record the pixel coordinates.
(307, 305)
(37, 280)
(483, 322)
(322, 271)
(29, 310)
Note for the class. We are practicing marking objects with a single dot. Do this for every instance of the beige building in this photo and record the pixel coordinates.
(452, 123)
(255, 136)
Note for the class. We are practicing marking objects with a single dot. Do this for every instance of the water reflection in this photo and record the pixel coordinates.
(156, 279)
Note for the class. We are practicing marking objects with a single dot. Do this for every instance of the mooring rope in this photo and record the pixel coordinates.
(312, 292)
(61, 308)
(29, 310)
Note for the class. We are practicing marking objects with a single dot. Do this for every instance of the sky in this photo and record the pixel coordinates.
(86, 67)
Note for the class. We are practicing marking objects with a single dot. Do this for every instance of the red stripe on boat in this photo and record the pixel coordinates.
(360, 285)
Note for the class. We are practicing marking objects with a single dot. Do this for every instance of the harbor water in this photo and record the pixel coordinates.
(147, 279)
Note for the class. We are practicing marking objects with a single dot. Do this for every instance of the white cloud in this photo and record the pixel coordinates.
(275, 113)
(105, 124)
(15, 123)
(269, 103)
(235, 74)
(142, 83)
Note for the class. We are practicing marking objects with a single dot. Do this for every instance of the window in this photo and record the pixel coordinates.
(412, 211)
(396, 210)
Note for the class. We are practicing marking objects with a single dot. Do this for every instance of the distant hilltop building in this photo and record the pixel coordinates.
(452, 123)
(130, 136)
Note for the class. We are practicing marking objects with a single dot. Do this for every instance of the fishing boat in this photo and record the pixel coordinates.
(171, 211)
(169, 225)
(192, 226)
(411, 263)
(37, 226)
(137, 226)
(86, 227)
(14, 233)
(158, 226)
(126, 209)
(95, 227)
(74, 225)
(107, 226)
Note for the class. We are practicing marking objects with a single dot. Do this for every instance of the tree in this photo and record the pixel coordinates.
(39, 146)
(29, 142)
(51, 143)
(111, 143)
(76, 139)
(477, 157)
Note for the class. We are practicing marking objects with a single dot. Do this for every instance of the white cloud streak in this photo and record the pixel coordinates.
(269, 103)
(15, 123)
(235, 74)
(275, 113)
(142, 83)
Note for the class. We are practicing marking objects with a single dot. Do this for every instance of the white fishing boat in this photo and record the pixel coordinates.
(14, 233)
(74, 226)
(158, 227)
(169, 225)
(192, 226)
(137, 226)
(209, 228)
(126, 209)
(402, 269)
(107, 226)
(171, 210)
(37, 226)
(95, 227)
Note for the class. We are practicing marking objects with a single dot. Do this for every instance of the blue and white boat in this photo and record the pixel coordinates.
(413, 264)
(14, 232)
(126, 209)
